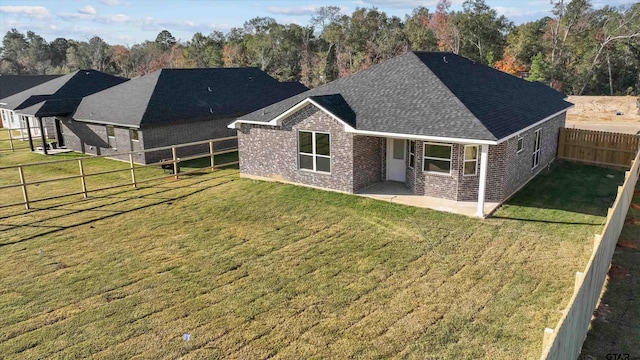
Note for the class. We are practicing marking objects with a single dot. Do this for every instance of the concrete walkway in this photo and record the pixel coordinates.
(397, 193)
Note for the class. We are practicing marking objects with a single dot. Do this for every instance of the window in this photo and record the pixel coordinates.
(314, 151)
(470, 160)
(535, 157)
(412, 153)
(133, 134)
(111, 136)
(520, 144)
(437, 158)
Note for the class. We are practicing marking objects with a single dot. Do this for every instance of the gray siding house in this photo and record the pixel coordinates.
(39, 107)
(442, 125)
(171, 107)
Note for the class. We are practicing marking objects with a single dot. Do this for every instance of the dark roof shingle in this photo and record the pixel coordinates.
(13, 84)
(434, 94)
(170, 95)
(61, 95)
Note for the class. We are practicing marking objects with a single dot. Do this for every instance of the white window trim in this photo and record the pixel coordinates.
(314, 155)
(537, 139)
(111, 140)
(412, 154)
(517, 144)
(465, 161)
(424, 156)
(131, 138)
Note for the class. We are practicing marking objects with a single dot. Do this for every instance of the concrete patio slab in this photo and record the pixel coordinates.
(397, 193)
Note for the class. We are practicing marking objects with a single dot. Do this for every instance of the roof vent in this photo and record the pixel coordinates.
(209, 88)
(211, 110)
(250, 78)
(444, 58)
(262, 112)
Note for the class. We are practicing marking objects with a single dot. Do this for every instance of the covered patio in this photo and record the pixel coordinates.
(397, 192)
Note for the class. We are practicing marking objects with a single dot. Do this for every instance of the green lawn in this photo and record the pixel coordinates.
(255, 269)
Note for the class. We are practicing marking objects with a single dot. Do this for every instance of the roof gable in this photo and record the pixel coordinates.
(13, 84)
(438, 95)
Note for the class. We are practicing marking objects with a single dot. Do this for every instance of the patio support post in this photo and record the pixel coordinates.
(29, 135)
(44, 139)
(482, 186)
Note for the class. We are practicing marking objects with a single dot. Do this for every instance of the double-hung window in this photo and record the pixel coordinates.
(111, 136)
(437, 158)
(314, 151)
(470, 160)
(535, 156)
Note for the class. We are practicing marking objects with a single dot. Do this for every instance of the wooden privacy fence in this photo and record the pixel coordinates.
(597, 147)
(83, 175)
(565, 341)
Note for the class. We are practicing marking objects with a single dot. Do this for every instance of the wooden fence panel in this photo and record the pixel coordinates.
(597, 147)
(565, 341)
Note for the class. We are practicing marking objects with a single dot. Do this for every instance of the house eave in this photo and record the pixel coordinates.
(533, 125)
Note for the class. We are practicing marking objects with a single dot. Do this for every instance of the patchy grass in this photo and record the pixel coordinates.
(616, 327)
(255, 269)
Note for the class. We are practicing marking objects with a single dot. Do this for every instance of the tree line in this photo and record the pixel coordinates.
(578, 50)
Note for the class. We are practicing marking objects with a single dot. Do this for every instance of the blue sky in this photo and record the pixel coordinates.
(132, 21)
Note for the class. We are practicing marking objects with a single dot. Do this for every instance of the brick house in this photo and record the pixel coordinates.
(441, 124)
(39, 107)
(170, 107)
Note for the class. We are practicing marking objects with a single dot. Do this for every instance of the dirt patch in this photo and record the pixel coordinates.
(626, 244)
(603, 108)
(635, 206)
(617, 272)
(631, 221)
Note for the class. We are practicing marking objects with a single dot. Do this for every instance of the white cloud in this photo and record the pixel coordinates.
(113, 19)
(111, 2)
(89, 10)
(34, 12)
(402, 4)
(294, 10)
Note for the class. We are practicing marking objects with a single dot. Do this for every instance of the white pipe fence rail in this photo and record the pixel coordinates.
(566, 339)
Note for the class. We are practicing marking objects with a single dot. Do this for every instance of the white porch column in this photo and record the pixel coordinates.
(482, 186)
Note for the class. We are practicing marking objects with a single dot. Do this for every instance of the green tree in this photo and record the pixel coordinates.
(165, 40)
(538, 69)
(482, 31)
(417, 31)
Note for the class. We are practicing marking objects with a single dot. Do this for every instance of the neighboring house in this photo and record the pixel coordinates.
(171, 107)
(53, 99)
(443, 125)
(13, 84)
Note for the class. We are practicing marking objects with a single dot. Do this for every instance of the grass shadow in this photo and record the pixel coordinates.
(566, 188)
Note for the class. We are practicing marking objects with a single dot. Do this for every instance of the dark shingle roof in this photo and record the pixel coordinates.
(61, 95)
(434, 94)
(13, 84)
(185, 94)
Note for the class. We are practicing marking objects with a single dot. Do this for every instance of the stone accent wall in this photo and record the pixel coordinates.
(367, 161)
(518, 165)
(272, 152)
(410, 175)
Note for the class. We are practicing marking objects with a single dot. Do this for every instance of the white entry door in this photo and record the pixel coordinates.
(396, 164)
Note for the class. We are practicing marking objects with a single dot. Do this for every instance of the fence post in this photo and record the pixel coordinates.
(84, 184)
(133, 171)
(213, 162)
(11, 138)
(175, 162)
(24, 187)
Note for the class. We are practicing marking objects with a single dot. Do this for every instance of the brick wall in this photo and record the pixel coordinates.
(272, 152)
(518, 165)
(92, 139)
(367, 161)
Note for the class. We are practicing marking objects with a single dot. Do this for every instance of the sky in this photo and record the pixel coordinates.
(128, 22)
